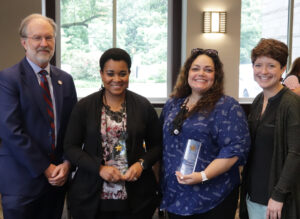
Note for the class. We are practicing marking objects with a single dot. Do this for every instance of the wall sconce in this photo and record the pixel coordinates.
(214, 22)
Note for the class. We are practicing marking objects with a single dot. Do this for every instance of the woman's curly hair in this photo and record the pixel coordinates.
(210, 97)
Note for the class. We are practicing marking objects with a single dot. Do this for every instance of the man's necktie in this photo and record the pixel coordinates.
(47, 97)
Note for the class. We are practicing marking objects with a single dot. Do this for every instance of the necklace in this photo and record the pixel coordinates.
(114, 115)
(192, 101)
(179, 118)
(118, 116)
(118, 148)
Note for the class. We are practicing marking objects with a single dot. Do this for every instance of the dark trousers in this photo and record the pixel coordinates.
(145, 213)
(114, 215)
(124, 215)
(47, 206)
(225, 210)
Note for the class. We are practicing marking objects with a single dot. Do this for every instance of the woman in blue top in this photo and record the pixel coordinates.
(199, 110)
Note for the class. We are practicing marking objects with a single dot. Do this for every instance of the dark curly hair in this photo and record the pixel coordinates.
(116, 54)
(209, 98)
(271, 48)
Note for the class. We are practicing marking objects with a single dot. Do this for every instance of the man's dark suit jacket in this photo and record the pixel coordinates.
(25, 128)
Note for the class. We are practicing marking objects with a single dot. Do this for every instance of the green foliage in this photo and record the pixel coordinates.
(87, 32)
(250, 28)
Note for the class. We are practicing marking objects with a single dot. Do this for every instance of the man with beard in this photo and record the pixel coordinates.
(36, 100)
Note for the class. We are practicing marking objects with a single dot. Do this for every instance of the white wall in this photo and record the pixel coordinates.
(227, 44)
(11, 14)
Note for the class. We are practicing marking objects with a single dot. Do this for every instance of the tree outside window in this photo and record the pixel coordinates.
(141, 29)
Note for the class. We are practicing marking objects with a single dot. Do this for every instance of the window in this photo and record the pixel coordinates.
(259, 19)
(90, 27)
(296, 31)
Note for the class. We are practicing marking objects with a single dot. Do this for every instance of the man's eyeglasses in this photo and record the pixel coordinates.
(39, 39)
(204, 51)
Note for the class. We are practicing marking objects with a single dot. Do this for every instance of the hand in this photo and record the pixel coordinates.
(190, 179)
(274, 209)
(60, 174)
(110, 174)
(48, 172)
(134, 172)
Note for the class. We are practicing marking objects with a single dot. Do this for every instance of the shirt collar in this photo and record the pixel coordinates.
(278, 95)
(37, 68)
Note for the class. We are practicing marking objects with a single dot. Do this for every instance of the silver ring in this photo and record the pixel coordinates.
(135, 179)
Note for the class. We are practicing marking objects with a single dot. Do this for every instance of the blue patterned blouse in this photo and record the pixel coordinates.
(223, 134)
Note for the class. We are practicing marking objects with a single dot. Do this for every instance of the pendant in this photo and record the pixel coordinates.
(176, 131)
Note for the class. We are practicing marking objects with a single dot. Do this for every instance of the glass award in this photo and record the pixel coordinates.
(190, 157)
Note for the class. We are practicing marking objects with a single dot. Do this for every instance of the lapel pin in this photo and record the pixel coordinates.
(59, 82)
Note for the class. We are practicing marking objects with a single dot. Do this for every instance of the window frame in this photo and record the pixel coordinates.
(247, 100)
(52, 9)
(175, 42)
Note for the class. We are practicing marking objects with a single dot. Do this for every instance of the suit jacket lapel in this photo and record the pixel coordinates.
(57, 84)
(29, 78)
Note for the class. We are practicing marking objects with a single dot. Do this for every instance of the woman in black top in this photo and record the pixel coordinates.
(271, 184)
(113, 139)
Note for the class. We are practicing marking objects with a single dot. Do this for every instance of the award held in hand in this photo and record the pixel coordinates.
(190, 157)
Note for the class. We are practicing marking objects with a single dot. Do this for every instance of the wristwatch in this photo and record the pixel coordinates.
(141, 161)
(203, 175)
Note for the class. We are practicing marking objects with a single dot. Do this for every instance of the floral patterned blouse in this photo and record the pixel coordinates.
(113, 131)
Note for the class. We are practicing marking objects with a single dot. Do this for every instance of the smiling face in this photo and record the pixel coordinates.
(267, 73)
(201, 74)
(115, 77)
(39, 42)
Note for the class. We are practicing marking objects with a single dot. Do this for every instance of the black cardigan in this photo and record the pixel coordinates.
(83, 148)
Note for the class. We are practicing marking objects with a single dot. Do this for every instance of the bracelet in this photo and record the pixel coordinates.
(141, 161)
(203, 175)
